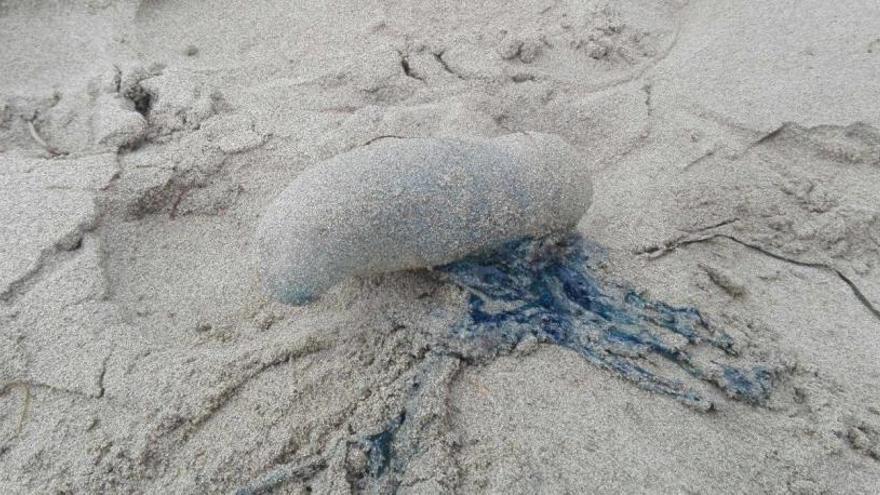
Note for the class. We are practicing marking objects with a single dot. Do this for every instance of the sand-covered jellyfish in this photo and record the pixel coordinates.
(405, 203)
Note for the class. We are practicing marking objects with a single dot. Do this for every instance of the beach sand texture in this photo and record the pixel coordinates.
(712, 326)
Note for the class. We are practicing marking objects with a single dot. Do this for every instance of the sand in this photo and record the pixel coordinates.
(734, 150)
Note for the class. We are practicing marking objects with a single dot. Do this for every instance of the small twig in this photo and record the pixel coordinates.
(24, 410)
(24, 407)
(384, 136)
(173, 214)
(703, 157)
(42, 142)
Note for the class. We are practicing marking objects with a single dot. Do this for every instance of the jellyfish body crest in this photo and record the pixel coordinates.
(410, 203)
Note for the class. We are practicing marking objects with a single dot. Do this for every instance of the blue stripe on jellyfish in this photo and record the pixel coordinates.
(548, 290)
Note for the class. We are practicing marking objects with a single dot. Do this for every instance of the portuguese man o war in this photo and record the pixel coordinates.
(407, 203)
(547, 289)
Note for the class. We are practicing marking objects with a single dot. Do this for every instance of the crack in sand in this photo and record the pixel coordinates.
(102, 374)
(45, 386)
(47, 262)
(301, 471)
(438, 56)
(64, 247)
(655, 252)
(407, 69)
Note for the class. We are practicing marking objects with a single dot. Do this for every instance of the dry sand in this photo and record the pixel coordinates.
(735, 155)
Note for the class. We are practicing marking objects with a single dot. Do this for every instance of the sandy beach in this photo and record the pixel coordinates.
(712, 325)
